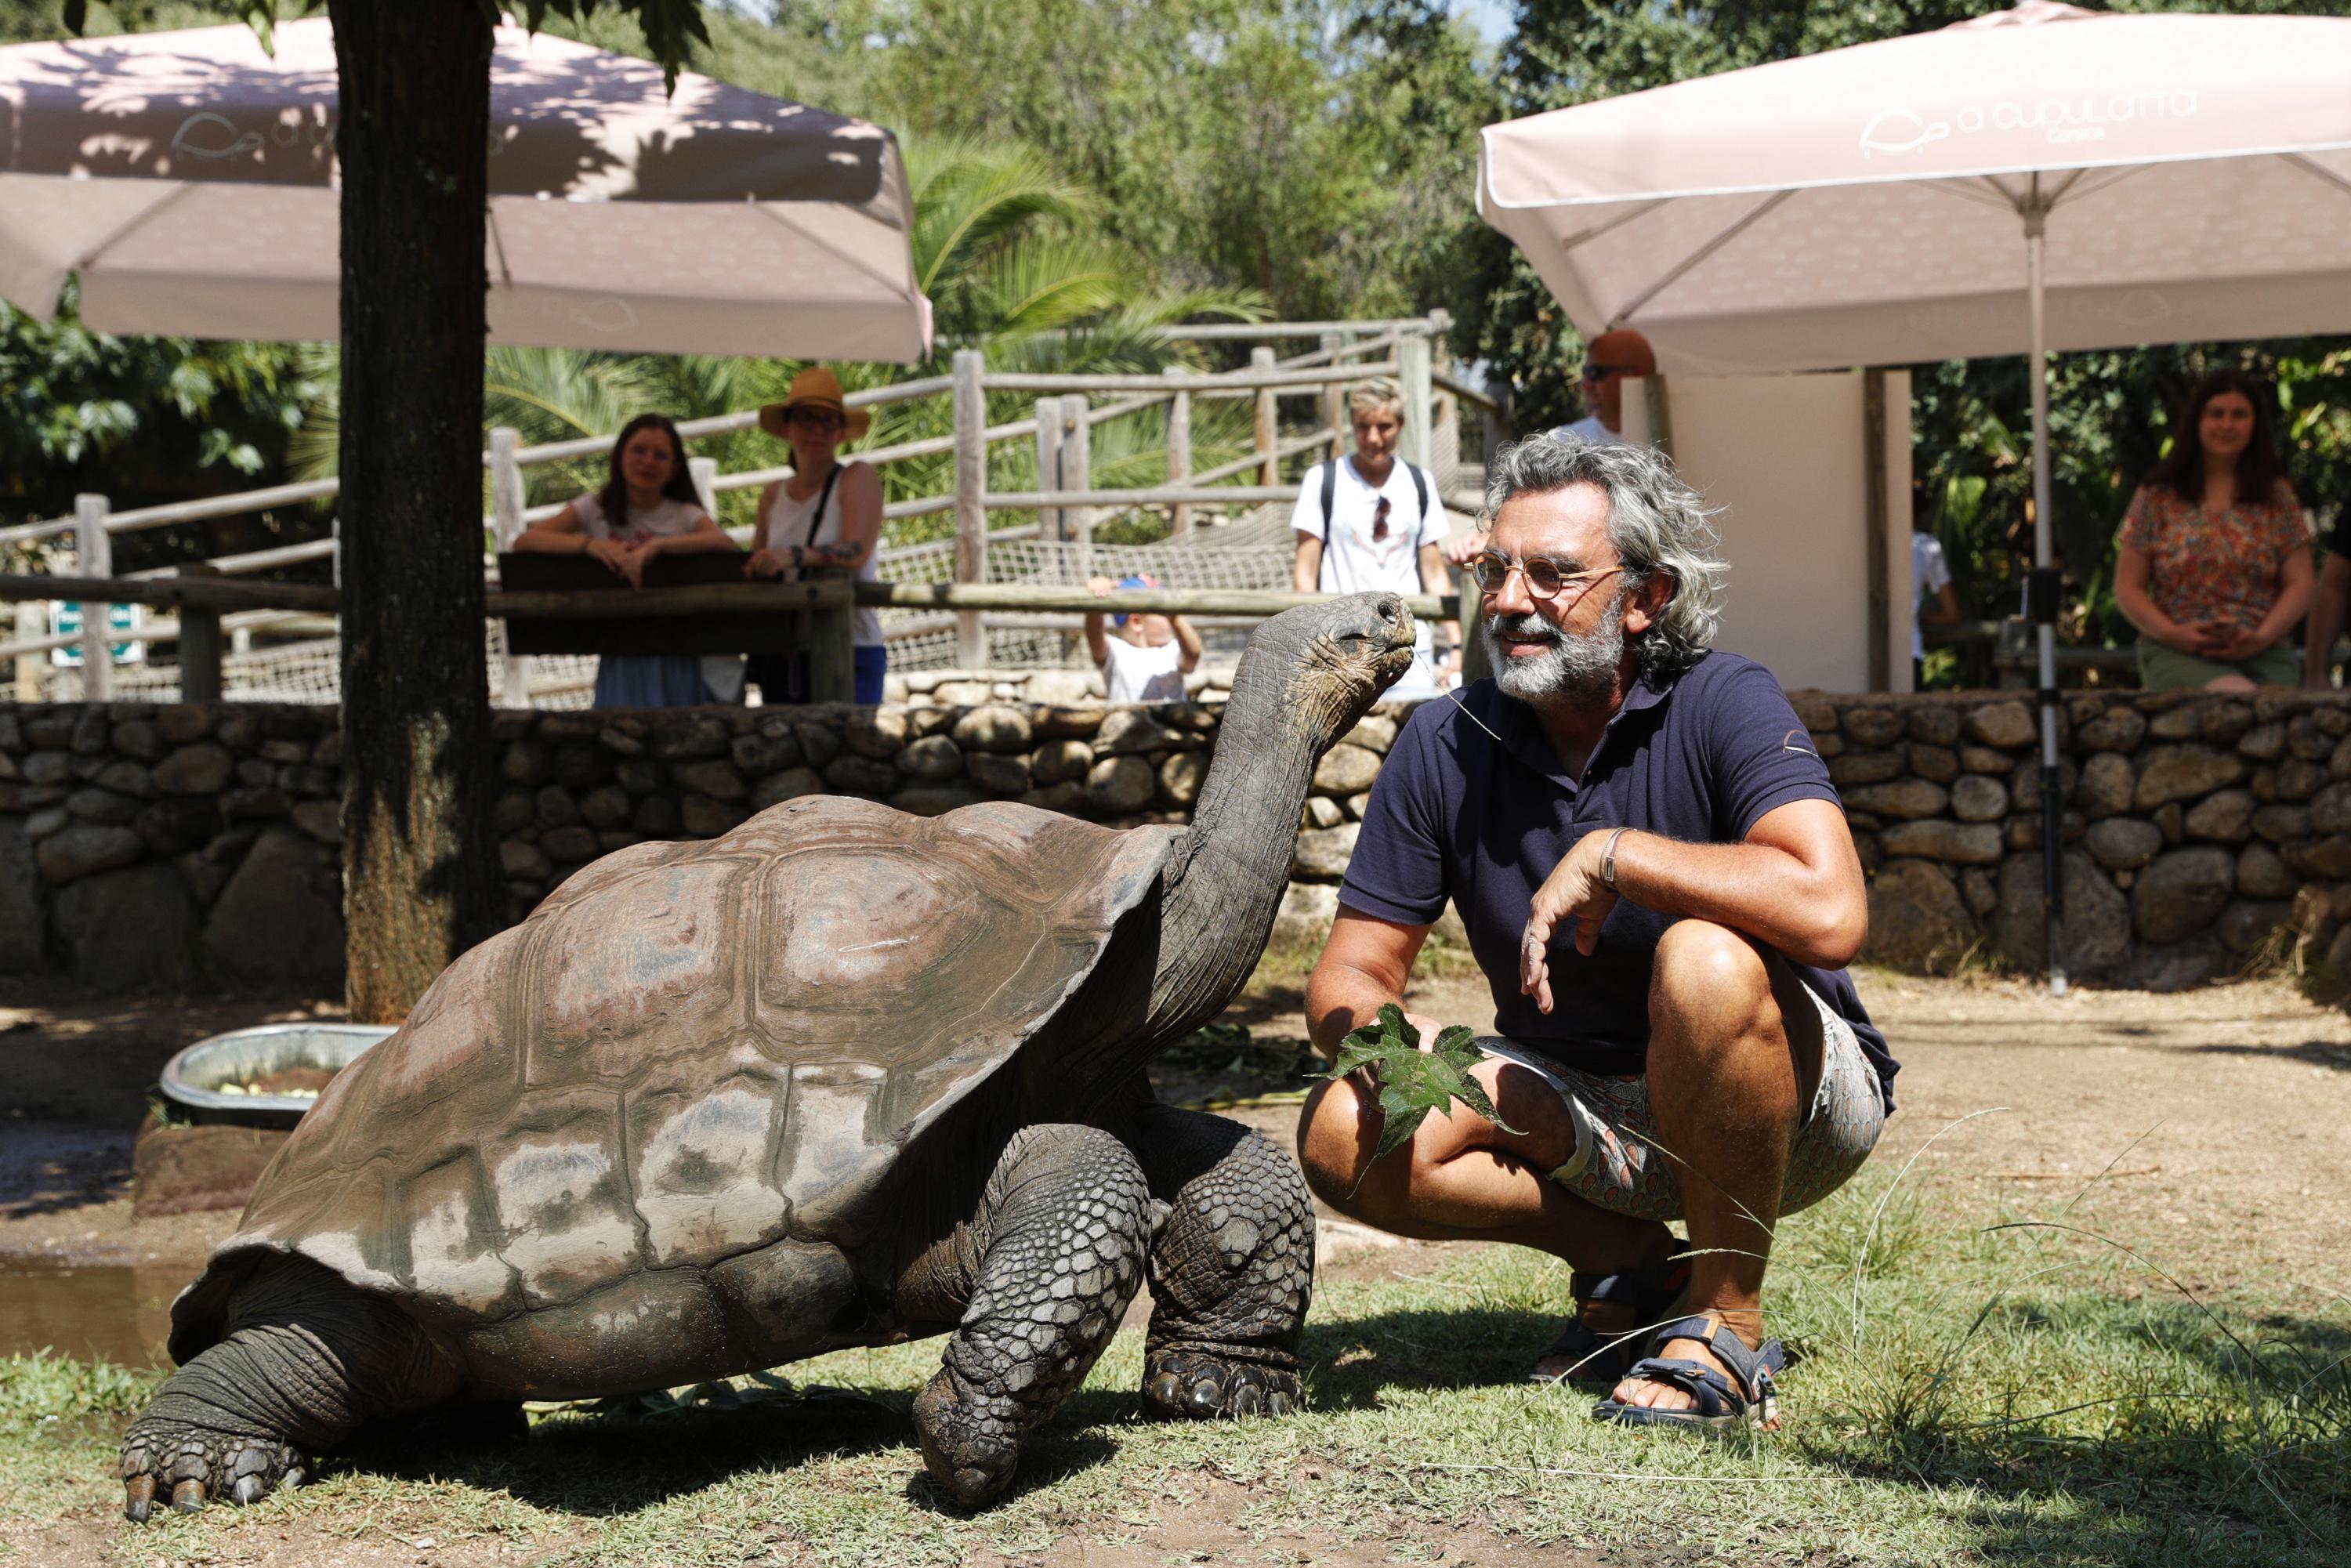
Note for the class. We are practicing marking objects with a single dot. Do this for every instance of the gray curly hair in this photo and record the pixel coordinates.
(1658, 524)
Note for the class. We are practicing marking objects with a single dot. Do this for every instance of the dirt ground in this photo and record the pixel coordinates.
(2217, 1117)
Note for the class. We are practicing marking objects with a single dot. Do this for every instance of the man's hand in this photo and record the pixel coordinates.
(1572, 892)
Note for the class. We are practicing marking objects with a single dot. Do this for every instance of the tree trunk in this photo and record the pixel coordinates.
(420, 873)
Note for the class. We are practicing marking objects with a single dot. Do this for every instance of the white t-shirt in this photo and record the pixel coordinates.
(1591, 432)
(1139, 674)
(667, 520)
(1930, 575)
(1353, 560)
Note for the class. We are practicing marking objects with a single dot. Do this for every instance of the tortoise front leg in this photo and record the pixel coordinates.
(1066, 1221)
(306, 1361)
(1232, 1271)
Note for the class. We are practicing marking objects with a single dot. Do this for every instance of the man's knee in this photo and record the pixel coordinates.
(1705, 969)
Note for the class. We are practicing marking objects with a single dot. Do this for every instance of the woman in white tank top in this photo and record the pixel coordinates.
(828, 514)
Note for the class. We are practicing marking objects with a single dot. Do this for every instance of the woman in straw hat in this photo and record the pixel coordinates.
(646, 506)
(828, 514)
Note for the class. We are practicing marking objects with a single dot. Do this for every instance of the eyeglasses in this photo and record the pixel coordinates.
(1544, 578)
(816, 418)
(1599, 372)
(1380, 521)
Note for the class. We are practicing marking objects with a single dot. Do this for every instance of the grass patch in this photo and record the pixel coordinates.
(1974, 1384)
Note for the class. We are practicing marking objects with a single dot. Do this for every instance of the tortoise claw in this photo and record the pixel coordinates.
(1189, 1386)
(185, 1468)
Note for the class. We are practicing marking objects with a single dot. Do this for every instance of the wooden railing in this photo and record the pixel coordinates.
(1067, 505)
(202, 601)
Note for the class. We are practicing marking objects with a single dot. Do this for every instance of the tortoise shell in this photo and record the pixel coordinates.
(689, 1053)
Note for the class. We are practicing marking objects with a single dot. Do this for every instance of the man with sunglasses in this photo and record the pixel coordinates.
(1610, 360)
(1657, 880)
(1369, 522)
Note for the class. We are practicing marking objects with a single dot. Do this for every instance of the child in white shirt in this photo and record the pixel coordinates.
(1145, 659)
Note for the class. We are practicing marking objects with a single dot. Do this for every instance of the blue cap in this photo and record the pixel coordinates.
(1132, 580)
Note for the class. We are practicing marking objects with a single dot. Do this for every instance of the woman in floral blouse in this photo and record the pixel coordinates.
(2214, 568)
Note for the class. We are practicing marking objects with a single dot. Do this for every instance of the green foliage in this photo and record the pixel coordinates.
(45, 1386)
(1414, 1081)
(145, 420)
(1318, 153)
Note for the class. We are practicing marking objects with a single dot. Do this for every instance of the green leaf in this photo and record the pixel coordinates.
(1412, 1081)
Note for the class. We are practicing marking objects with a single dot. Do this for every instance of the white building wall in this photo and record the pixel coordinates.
(1784, 459)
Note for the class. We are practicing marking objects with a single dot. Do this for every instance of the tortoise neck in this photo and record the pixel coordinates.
(1225, 880)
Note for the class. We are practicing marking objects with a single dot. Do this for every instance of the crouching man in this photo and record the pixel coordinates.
(1659, 883)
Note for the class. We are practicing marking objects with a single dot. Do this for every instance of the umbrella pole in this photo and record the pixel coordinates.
(2040, 600)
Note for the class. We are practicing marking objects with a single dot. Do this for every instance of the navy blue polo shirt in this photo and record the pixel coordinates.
(1456, 814)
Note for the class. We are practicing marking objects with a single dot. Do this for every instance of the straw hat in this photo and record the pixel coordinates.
(818, 388)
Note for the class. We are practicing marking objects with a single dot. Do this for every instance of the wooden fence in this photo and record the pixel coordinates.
(1068, 506)
(202, 600)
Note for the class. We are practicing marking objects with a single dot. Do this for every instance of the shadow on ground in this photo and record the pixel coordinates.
(2317, 1052)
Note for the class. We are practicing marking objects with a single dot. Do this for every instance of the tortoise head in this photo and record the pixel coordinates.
(1327, 663)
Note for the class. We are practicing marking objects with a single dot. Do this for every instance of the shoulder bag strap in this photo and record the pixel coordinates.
(823, 500)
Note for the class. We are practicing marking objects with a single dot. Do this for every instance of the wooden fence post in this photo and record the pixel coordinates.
(1052, 523)
(1334, 398)
(970, 499)
(832, 667)
(1179, 454)
(1078, 474)
(1269, 421)
(507, 497)
(199, 646)
(94, 557)
(1415, 373)
(703, 472)
(32, 622)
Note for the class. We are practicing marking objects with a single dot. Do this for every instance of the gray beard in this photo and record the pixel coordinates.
(1576, 669)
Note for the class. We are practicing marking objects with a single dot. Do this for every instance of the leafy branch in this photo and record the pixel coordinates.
(1413, 1082)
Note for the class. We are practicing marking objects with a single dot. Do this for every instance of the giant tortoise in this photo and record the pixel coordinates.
(843, 1076)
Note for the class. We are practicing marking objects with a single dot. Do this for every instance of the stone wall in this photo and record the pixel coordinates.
(2197, 828)
(161, 848)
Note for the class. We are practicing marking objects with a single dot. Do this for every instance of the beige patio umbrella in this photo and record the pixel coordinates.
(190, 179)
(2045, 177)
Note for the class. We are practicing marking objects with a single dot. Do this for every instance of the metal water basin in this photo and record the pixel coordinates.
(205, 1081)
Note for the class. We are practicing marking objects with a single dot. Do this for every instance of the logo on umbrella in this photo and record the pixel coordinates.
(213, 136)
(1899, 130)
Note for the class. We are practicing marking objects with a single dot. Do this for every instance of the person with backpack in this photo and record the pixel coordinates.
(1372, 521)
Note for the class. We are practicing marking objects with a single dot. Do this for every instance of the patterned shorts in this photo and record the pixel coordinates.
(1619, 1166)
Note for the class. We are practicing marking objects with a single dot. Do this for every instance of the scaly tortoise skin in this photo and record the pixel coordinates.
(842, 1076)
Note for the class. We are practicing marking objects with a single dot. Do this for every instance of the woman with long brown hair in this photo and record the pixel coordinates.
(2214, 566)
(646, 506)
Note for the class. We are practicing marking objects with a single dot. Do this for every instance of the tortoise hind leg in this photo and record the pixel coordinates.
(1232, 1271)
(1068, 1218)
(305, 1362)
